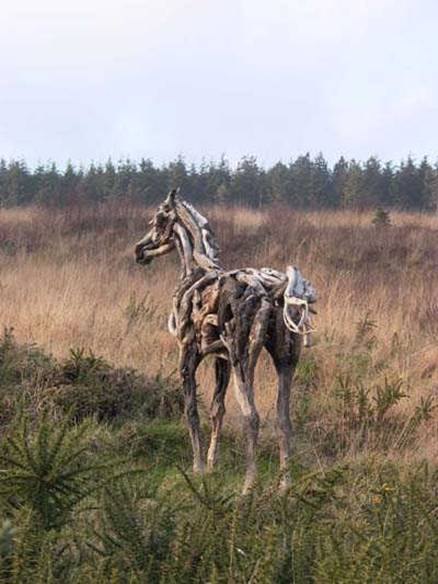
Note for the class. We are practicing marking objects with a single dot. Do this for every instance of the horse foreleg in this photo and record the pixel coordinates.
(217, 409)
(189, 362)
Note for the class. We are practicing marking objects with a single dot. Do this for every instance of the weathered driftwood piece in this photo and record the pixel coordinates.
(231, 315)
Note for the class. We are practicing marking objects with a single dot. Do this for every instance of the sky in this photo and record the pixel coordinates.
(85, 80)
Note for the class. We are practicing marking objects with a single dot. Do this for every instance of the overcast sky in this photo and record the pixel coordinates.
(88, 79)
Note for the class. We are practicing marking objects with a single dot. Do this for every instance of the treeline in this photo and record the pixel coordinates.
(305, 182)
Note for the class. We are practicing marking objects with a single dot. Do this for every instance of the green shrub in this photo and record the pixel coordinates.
(83, 385)
(133, 533)
(76, 507)
(367, 417)
(87, 385)
(381, 218)
(49, 469)
(66, 520)
(24, 369)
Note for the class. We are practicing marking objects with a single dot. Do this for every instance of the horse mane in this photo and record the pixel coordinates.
(204, 241)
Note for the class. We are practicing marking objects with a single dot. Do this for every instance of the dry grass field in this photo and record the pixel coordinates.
(95, 483)
(68, 279)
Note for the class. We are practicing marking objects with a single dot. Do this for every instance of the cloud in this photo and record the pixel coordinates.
(95, 78)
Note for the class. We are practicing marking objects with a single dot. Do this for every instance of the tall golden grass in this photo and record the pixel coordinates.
(68, 279)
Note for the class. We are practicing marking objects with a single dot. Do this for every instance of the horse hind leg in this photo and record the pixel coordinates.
(243, 367)
(284, 426)
(217, 408)
(245, 397)
(284, 348)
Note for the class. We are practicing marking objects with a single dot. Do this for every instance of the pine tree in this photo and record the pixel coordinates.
(409, 185)
(431, 188)
(278, 181)
(302, 181)
(322, 194)
(354, 186)
(372, 182)
(381, 218)
(248, 185)
(151, 183)
(387, 185)
(425, 173)
(219, 181)
(178, 175)
(339, 178)
(17, 185)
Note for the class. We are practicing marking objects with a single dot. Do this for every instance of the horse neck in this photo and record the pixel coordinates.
(192, 261)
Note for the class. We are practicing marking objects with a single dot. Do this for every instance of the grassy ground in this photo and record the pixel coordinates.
(93, 481)
(94, 487)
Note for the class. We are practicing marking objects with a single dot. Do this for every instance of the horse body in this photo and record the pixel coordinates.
(231, 315)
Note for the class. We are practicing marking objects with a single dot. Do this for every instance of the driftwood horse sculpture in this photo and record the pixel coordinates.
(231, 315)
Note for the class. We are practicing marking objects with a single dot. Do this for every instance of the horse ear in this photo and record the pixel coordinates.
(172, 196)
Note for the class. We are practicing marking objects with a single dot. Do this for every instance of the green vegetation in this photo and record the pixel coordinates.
(305, 182)
(95, 487)
(381, 218)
